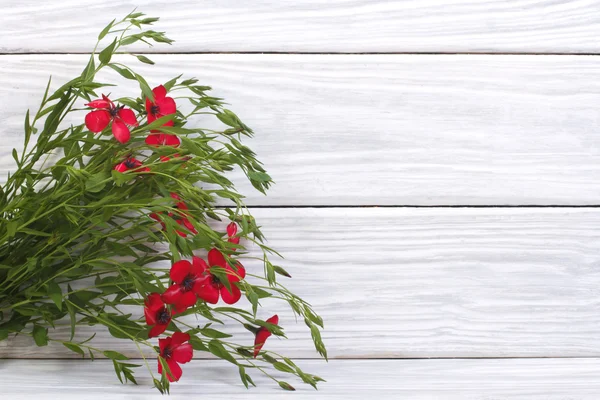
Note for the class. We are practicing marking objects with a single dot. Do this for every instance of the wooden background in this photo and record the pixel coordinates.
(437, 166)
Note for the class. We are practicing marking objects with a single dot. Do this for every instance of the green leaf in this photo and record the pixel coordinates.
(114, 355)
(259, 176)
(215, 347)
(169, 84)
(283, 367)
(27, 129)
(15, 156)
(106, 54)
(197, 344)
(228, 118)
(286, 386)
(281, 271)
(40, 335)
(124, 72)
(96, 182)
(53, 119)
(120, 178)
(71, 311)
(145, 59)
(105, 30)
(74, 347)
(214, 334)
(89, 70)
(3, 334)
(145, 87)
(55, 293)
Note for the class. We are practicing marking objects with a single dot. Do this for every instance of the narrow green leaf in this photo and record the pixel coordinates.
(145, 87)
(124, 72)
(106, 54)
(105, 30)
(281, 271)
(114, 355)
(286, 386)
(27, 129)
(74, 347)
(145, 59)
(55, 294)
(40, 335)
(215, 347)
(214, 334)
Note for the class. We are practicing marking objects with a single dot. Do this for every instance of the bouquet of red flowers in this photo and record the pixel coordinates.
(114, 217)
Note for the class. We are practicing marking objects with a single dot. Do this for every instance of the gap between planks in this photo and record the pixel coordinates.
(301, 53)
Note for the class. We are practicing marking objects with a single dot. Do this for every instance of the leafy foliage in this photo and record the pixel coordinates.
(77, 242)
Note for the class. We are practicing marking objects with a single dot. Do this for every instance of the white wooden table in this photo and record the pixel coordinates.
(438, 183)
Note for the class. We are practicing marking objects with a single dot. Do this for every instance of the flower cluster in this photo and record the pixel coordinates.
(190, 281)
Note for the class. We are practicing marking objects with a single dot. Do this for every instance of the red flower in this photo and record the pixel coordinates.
(187, 279)
(181, 218)
(175, 351)
(161, 106)
(105, 113)
(263, 334)
(162, 139)
(212, 286)
(156, 314)
(129, 164)
(231, 232)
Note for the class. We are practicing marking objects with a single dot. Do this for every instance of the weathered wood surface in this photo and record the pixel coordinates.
(563, 26)
(414, 283)
(381, 130)
(532, 379)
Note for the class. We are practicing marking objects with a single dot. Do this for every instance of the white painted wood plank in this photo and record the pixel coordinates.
(483, 379)
(382, 130)
(413, 283)
(315, 25)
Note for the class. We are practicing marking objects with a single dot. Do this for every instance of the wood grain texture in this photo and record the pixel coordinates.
(565, 26)
(535, 379)
(381, 130)
(417, 283)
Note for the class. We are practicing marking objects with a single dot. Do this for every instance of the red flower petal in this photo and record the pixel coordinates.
(164, 343)
(150, 316)
(273, 320)
(97, 121)
(121, 167)
(188, 225)
(120, 131)
(208, 292)
(231, 297)
(179, 338)
(198, 266)
(128, 116)
(154, 302)
(153, 140)
(171, 140)
(180, 204)
(183, 353)
(259, 341)
(99, 104)
(188, 299)
(159, 92)
(231, 229)
(235, 274)
(166, 105)
(157, 330)
(173, 294)
(149, 110)
(180, 270)
(175, 370)
(216, 258)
